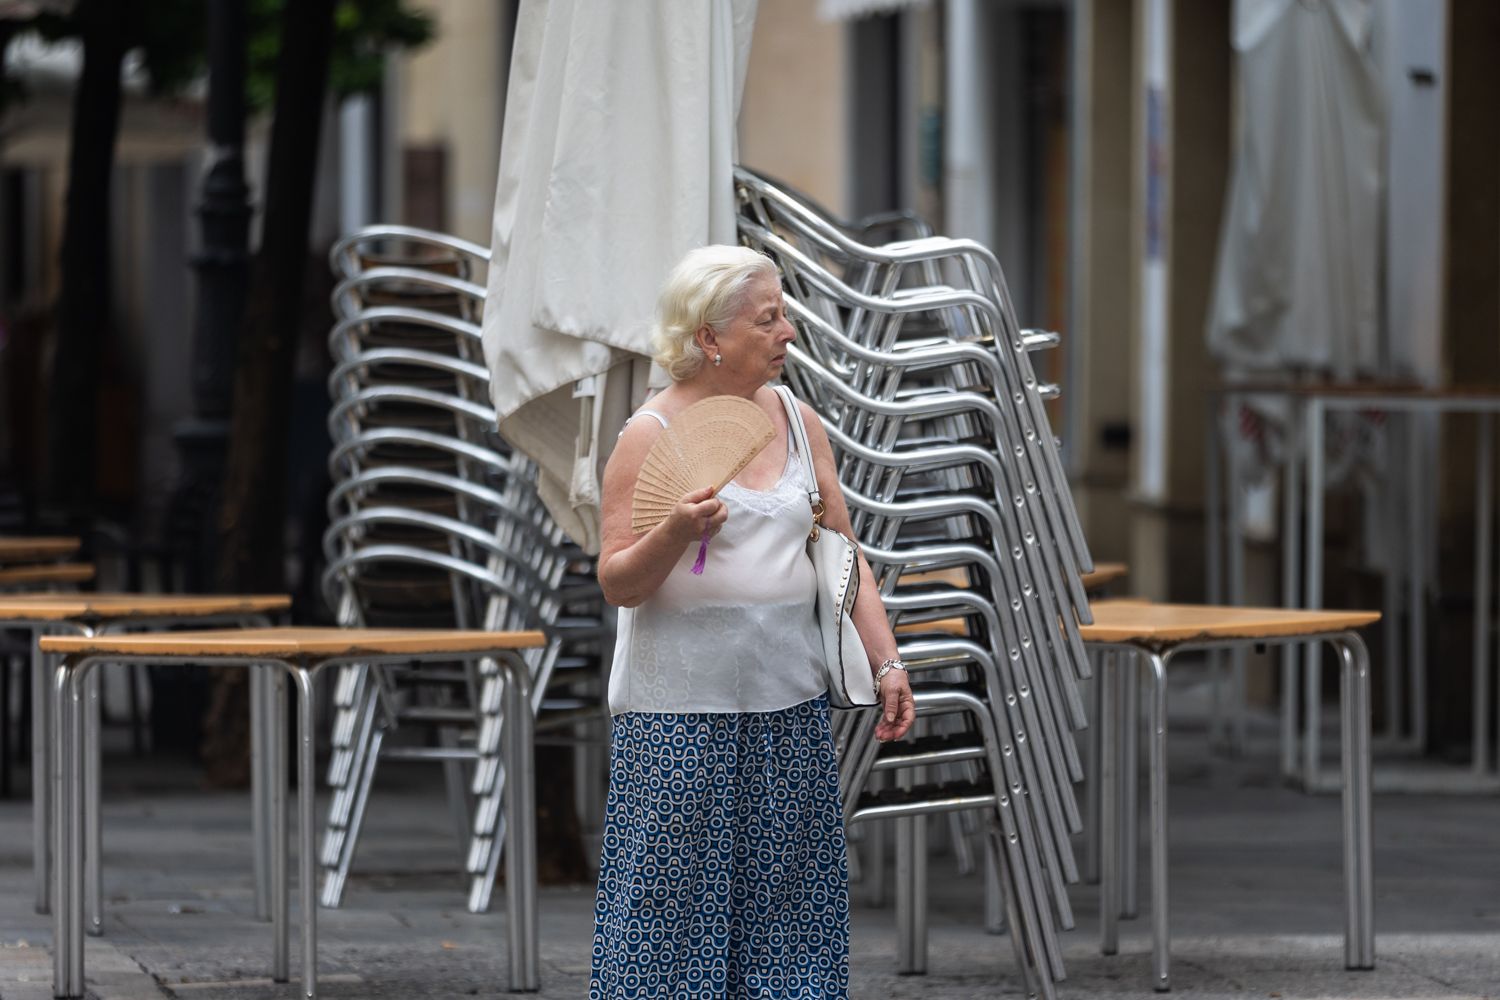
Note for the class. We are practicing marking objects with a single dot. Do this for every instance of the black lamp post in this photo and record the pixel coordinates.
(222, 266)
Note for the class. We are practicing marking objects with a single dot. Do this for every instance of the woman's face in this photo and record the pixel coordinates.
(753, 344)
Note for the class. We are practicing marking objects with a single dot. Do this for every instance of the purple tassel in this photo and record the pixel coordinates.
(702, 554)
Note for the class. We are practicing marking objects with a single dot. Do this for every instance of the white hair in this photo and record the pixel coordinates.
(706, 288)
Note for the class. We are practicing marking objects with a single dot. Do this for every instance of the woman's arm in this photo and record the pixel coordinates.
(632, 566)
(869, 611)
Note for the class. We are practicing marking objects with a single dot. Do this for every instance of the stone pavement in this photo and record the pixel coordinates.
(1256, 903)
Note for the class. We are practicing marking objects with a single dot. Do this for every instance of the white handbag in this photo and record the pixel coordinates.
(836, 563)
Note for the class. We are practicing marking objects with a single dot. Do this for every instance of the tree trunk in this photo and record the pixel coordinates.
(252, 515)
(84, 304)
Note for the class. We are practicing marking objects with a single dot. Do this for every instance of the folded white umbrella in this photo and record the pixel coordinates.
(616, 158)
(1298, 267)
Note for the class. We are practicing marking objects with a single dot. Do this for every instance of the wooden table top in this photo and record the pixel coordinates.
(1133, 619)
(293, 643)
(1105, 573)
(1102, 575)
(953, 576)
(14, 549)
(1148, 624)
(947, 626)
(28, 576)
(117, 607)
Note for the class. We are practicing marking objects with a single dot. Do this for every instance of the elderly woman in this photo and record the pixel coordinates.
(723, 870)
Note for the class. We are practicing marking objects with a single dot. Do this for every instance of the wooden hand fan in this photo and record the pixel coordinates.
(706, 445)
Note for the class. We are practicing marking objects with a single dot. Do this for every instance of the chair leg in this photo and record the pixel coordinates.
(1035, 981)
(994, 896)
(457, 785)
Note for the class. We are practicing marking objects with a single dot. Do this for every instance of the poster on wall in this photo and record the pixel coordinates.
(1156, 146)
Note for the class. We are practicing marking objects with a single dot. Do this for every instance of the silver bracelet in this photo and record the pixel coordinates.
(887, 667)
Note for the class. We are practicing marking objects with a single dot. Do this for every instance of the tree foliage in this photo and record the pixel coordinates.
(168, 37)
(363, 32)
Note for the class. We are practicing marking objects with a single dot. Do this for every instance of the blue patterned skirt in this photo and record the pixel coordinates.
(723, 871)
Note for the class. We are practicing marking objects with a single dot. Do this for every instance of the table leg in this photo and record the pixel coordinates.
(1484, 479)
(259, 803)
(873, 884)
(1130, 785)
(1214, 505)
(273, 697)
(1392, 590)
(262, 681)
(1313, 594)
(520, 850)
(910, 844)
(1213, 499)
(307, 863)
(1095, 755)
(93, 878)
(77, 804)
(1291, 595)
(41, 771)
(1359, 917)
(5, 730)
(62, 821)
(1156, 663)
(1226, 724)
(1419, 552)
(1109, 816)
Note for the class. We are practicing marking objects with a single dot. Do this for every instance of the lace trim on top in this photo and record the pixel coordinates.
(787, 490)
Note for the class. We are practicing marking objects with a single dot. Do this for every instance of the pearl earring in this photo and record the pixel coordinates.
(718, 360)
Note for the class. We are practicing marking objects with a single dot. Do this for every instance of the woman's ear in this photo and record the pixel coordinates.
(707, 340)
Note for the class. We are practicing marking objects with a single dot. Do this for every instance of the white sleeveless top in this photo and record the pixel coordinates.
(741, 637)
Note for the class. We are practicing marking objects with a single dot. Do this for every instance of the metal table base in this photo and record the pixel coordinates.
(1117, 713)
(43, 740)
(75, 807)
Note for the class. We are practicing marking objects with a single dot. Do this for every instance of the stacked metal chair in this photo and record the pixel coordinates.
(911, 354)
(434, 521)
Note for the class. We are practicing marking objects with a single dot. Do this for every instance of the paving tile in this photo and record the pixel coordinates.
(1256, 903)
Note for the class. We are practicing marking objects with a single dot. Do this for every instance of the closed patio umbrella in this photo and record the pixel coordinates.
(616, 158)
(1298, 266)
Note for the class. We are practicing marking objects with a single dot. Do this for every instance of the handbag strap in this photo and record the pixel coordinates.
(799, 434)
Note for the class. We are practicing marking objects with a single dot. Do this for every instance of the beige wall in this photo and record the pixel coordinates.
(792, 117)
(1167, 552)
(1101, 329)
(452, 94)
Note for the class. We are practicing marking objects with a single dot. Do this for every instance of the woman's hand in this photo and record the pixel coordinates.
(633, 566)
(897, 709)
(698, 514)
